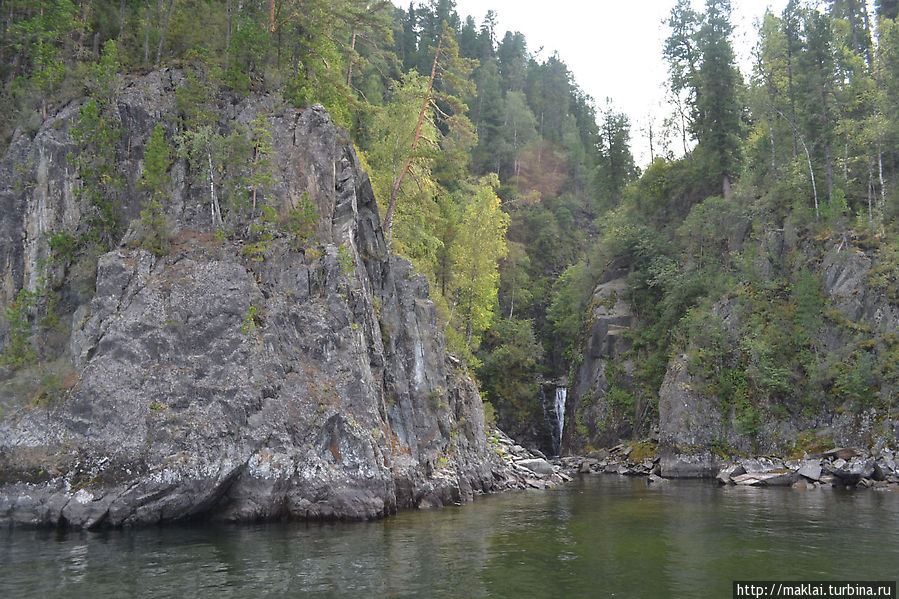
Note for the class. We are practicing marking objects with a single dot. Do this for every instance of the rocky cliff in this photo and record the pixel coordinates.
(599, 420)
(855, 330)
(797, 363)
(220, 384)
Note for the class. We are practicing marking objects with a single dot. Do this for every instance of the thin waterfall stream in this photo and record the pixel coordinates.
(559, 412)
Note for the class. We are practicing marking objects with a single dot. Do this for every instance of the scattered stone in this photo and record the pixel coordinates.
(727, 473)
(656, 479)
(768, 464)
(599, 454)
(537, 466)
(862, 468)
(771, 479)
(810, 469)
(842, 453)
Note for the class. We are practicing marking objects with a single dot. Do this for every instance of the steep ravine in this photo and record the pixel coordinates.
(303, 383)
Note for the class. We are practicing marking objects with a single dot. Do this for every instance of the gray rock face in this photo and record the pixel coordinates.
(612, 315)
(679, 464)
(213, 386)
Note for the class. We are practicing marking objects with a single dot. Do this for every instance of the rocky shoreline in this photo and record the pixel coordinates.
(844, 467)
(527, 469)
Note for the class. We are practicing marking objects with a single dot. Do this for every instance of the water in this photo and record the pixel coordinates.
(554, 416)
(559, 404)
(601, 536)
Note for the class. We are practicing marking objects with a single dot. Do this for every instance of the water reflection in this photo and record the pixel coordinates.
(599, 537)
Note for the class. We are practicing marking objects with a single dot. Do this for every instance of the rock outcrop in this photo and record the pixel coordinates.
(208, 383)
(693, 422)
(726, 395)
(589, 406)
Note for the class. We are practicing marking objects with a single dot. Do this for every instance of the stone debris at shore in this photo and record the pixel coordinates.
(528, 469)
(841, 467)
(621, 459)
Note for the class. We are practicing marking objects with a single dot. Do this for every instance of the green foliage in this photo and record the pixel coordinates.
(155, 180)
(809, 301)
(251, 320)
(721, 246)
(345, 260)
(509, 357)
(262, 232)
(301, 222)
(63, 246)
(475, 255)
(19, 351)
(857, 380)
(96, 135)
(569, 307)
(250, 43)
(620, 399)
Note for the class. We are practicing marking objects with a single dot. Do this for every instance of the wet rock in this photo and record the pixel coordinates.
(829, 480)
(675, 464)
(770, 479)
(727, 473)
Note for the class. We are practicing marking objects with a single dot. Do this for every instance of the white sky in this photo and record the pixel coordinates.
(613, 47)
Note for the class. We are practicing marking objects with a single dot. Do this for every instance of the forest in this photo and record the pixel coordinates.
(512, 190)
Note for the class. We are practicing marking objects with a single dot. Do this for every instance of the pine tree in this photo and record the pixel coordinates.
(717, 109)
(155, 180)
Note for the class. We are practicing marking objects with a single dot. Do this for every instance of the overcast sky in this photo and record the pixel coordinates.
(613, 47)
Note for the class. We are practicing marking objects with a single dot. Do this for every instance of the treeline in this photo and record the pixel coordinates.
(490, 165)
(780, 174)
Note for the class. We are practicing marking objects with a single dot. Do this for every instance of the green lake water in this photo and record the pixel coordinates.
(600, 536)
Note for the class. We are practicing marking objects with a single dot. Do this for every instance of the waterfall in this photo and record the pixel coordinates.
(554, 412)
(559, 405)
